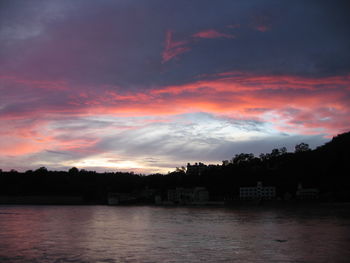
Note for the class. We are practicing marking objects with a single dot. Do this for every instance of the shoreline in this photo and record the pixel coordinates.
(79, 201)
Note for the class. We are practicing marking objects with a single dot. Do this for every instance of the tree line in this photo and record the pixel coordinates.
(325, 168)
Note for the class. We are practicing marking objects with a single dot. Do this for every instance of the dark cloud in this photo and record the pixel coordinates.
(121, 42)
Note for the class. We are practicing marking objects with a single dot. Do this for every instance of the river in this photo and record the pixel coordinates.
(174, 234)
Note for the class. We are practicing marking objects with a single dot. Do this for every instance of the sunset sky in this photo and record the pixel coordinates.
(149, 85)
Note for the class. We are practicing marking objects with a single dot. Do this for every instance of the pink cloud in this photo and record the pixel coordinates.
(20, 137)
(262, 28)
(289, 103)
(173, 48)
(237, 94)
(63, 133)
(211, 33)
(262, 23)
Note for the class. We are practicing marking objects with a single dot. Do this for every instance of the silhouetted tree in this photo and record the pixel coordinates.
(302, 147)
(73, 170)
(264, 157)
(41, 170)
(283, 150)
(275, 153)
(242, 158)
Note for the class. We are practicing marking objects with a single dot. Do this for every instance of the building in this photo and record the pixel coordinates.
(121, 198)
(158, 200)
(188, 196)
(306, 193)
(258, 192)
(200, 194)
(180, 195)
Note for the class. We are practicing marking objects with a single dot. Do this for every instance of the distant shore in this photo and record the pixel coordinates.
(78, 200)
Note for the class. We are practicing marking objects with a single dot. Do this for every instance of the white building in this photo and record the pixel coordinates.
(257, 192)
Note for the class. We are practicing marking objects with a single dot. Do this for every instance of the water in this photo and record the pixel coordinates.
(159, 234)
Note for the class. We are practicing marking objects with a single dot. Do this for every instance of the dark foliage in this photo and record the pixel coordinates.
(326, 168)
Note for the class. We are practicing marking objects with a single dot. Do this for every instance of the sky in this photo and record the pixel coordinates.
(150, 85)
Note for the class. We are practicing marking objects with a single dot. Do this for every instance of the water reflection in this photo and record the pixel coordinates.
(157, 234)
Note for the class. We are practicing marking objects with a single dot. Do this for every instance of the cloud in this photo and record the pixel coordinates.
(173, 48)
(130, 45)
(211, 33)
(194, 121)
(94, 80)
(230, 93)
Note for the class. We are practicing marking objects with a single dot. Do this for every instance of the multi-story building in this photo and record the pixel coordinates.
(257, 192)
(187, 196)
(306, 193)
(200, 194)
